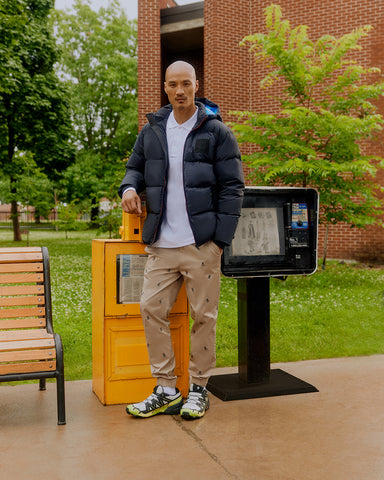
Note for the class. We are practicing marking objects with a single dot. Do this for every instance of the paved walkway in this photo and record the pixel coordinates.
(334, 434)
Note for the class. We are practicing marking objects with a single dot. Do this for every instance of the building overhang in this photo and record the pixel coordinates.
(182, 27)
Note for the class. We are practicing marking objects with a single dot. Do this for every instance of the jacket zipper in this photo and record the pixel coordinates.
(186, 206)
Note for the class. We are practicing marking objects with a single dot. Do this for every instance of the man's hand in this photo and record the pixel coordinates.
(131, 202)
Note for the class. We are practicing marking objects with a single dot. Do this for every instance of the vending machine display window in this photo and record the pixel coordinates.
(260, 232)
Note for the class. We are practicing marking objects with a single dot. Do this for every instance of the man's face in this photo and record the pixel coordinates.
(181, 85)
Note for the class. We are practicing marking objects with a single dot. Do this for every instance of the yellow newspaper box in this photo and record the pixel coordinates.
(121, 371)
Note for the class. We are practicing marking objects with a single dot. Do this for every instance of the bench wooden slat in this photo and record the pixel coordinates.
(19, 249)
(44, 366)
(22, 312)
(20, 267)
(21, 301)
(23, 323)
(12, 335)
(24, 355)
(20, 257)
(22, 278)
(26, 344)
(22, 290)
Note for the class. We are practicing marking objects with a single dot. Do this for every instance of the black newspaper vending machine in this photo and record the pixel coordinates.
(276, 237)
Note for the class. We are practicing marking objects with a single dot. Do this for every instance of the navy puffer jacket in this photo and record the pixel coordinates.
(213, 175)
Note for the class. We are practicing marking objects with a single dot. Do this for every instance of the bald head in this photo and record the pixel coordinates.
(181, 85)
(181, 67)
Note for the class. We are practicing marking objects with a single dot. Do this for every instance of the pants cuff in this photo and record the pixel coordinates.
(167, 382)
(202, 382)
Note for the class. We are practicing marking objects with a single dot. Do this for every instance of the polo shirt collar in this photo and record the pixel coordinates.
(188, 125)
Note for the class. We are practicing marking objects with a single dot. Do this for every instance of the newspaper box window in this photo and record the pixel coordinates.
(130, 277)
(276, 237)
(258, 233)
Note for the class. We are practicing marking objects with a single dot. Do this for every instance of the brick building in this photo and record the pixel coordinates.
(207, 34)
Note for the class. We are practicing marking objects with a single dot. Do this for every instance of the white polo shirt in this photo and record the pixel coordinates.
(175, 229)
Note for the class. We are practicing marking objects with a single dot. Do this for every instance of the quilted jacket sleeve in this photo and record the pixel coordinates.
(134, 174)
(229, 184)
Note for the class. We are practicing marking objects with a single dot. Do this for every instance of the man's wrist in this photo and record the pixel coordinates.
(128, 189)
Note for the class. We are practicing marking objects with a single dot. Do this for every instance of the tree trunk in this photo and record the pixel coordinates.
(325, 246)
(11, 152)
(94, 212)
(15, 221)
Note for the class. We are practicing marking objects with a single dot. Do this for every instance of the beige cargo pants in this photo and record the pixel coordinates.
(165, 271)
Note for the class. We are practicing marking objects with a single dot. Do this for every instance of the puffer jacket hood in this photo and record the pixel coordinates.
(212, 172)
(207, 110)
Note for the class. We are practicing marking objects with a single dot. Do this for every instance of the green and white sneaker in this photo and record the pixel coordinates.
(157, 402)
(196, 404)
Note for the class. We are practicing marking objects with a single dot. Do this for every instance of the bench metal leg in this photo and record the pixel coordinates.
(60, 400)
(42, 386)
(60, 381)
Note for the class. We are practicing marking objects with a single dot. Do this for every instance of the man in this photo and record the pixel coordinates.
(189, 164)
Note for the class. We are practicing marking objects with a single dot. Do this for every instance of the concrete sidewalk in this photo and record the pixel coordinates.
(334, 434)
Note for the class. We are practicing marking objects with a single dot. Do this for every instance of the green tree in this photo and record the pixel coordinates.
(33, 187)
(111, 221)
(34, 115)
(99, 63)
(68, 218)
(40, 194)
(320, 137)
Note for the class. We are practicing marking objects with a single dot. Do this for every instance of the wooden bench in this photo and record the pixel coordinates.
(29, 348)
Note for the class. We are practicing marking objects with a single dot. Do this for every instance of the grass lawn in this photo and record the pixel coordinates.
(334, 312)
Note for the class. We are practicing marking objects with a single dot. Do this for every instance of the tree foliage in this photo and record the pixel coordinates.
(320, 136)
(99, 66)
(68, 218)
(33, 108)
(32, 187)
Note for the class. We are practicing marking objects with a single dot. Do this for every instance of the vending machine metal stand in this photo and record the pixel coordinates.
(255, 377)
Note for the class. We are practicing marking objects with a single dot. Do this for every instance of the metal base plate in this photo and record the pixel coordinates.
(231, 387)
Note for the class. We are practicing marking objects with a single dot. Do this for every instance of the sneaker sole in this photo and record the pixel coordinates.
(193, 414)
(172, 408)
